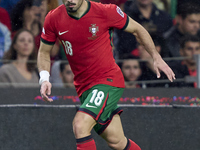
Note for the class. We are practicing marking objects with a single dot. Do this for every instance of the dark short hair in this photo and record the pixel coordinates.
(188, 8)
(62, 65)
(188, 38)
(127, 56)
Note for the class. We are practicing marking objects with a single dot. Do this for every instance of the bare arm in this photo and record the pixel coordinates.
(145, 39)
(142, 37)
(44, 63)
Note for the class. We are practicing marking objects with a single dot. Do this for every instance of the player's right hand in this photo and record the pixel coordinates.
(45, 90)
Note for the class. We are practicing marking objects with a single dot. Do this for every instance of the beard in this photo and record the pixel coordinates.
(73, 9)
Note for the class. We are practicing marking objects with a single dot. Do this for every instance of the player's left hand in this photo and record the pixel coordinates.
(160, 65)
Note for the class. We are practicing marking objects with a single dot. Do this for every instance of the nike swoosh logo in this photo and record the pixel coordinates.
(61, 33)
(87, 105)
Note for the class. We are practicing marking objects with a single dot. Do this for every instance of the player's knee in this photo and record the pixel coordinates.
(78, 126)
(81, 126)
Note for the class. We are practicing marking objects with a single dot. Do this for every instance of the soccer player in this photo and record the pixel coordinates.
(83, 29)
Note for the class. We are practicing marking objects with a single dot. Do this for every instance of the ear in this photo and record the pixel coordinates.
(181, 52)
(179, 19)
(60, 74)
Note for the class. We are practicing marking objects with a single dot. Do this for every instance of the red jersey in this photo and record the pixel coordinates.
(5, 18)
(87, 44)
(193, 73)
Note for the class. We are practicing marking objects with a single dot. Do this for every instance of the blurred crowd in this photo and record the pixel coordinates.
(176, 37)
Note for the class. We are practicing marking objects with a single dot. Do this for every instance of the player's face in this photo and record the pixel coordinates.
(72, 5)
(31, 14)
(190, 49)
(67, 75)
(24, 44)
(191, 24)
(131, 70)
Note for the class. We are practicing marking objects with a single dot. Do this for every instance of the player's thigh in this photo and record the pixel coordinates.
(114, 132)
(82, 124)
(84, 120)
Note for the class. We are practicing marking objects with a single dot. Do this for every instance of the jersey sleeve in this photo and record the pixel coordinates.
(116, 17)
(48, 33)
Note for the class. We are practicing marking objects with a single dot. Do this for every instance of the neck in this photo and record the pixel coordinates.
(81, 10)
(35, 29)
(180, 29)
(130, 85)
(21, 62)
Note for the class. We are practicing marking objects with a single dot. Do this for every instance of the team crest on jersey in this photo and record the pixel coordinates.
(93, 29)
(120, 12)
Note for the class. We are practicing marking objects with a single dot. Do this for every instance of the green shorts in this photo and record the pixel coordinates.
(100, 102)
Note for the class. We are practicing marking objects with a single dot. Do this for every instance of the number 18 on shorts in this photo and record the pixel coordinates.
(100, 101)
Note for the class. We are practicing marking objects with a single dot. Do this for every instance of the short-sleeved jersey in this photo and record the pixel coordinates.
(87, 44)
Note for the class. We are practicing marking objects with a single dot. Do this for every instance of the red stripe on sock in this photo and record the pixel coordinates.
(87, 145)
(133, 146)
